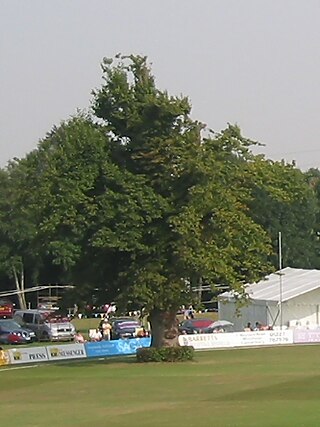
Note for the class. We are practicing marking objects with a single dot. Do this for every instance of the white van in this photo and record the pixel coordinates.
(48, 326)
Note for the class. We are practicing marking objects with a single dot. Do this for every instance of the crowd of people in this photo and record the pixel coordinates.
(105, 332)
(257, 327)
(102, 332)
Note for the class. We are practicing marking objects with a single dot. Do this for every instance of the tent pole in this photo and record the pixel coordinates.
(280, 278)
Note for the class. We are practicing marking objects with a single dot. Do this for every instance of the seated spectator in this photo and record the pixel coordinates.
(248, 328)
(79, 338)
(141, 332)
(95, 335)
(257, 326)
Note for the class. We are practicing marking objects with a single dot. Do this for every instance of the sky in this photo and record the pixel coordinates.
(251, 62)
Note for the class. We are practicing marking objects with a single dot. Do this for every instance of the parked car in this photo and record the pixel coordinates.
(194, 326)
(47, 305)
(125, 328)
(48, 326)
(219, 326)
(12, 333)
(6, 309)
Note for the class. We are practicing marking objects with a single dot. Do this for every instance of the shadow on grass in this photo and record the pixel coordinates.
(111, 360)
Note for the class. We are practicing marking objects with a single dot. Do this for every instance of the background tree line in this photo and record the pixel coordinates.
(136, 201)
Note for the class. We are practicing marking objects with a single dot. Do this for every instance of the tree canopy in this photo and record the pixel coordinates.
(139, 202)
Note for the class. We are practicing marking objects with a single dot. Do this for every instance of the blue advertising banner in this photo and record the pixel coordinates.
(116, 347)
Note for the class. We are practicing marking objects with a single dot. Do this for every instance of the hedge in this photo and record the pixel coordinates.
(165, 354)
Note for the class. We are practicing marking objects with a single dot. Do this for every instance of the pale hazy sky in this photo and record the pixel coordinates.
(251, 62)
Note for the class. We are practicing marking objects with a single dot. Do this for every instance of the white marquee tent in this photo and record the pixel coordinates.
(289, 297)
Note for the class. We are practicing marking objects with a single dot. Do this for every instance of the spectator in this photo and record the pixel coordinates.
(79, 338)
(257, 326)
(106, 330)
(75, 309)
(144, 318)
(191, 312)
(105, 318)
(248, 328)
(95, 335)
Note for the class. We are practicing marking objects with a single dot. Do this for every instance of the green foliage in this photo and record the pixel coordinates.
(165, 354)
(283, 200)
(139, 202)
(18, 225)
(91, 213)
(204, 229)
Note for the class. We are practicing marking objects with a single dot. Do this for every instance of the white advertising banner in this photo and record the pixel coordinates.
(236, 339)
(306, 336)
(67, 351)
(28, 355)
(264, 338)
(203, 341)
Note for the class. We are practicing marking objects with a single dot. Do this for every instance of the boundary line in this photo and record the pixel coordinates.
(17, 367)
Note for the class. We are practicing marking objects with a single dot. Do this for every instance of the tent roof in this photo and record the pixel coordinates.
(295, 282)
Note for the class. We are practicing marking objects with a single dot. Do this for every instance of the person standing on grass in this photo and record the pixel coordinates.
(106, 330)
(191, 312)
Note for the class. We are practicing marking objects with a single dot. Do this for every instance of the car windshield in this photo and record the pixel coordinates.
(10, 324)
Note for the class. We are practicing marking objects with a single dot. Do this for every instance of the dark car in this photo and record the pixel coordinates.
(194, 326)
(12, 333)
(125, 328)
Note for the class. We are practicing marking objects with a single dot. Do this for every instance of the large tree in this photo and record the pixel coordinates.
(139, 202)
(205, 230)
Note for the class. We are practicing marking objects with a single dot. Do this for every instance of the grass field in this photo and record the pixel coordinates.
(249, 387)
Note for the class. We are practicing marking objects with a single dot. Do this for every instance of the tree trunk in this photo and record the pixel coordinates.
(164, 328)
(20, 287)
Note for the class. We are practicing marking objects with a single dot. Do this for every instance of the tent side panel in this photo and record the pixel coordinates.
(255, 311)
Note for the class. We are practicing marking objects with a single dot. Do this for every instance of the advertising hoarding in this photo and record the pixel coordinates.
(116, 347)
(28, 355)
(306, 336)
(236, 339)
(66, 351)
(4, 358)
